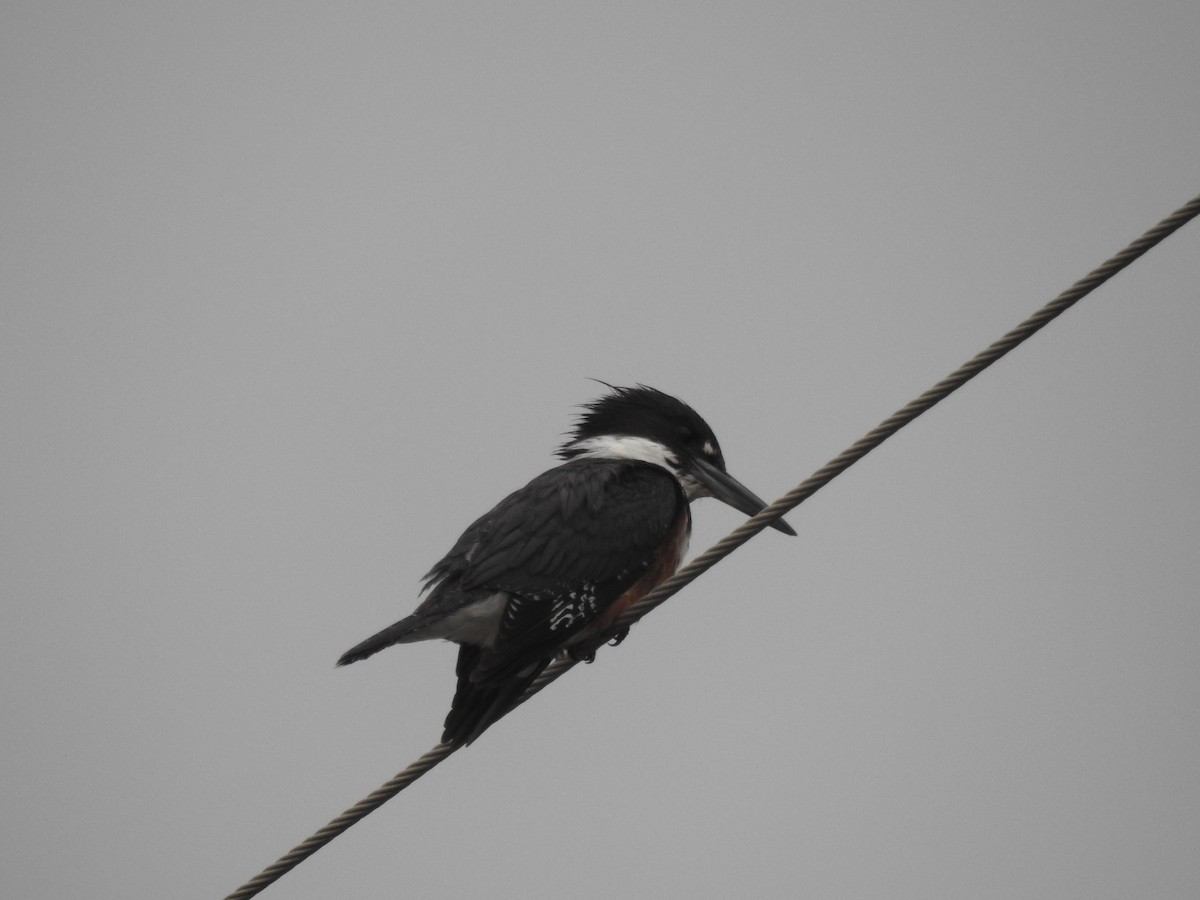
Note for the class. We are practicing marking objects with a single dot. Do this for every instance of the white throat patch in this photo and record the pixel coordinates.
(621, 446)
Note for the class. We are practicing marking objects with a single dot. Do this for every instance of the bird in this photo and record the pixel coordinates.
(553, 565)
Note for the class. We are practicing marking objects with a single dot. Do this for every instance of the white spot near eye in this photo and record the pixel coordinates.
(709, 449)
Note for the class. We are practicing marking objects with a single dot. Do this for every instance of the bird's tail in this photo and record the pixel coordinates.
(393, 634)
(479, 703)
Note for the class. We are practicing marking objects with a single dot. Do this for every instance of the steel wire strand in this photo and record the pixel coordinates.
(359, 810)
(749, 528)
(885, 429)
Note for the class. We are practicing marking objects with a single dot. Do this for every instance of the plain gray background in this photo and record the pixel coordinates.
(292, 292)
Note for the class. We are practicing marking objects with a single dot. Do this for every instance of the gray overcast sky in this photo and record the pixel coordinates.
(292, 292)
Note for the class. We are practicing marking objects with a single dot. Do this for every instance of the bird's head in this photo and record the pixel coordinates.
(644, 424)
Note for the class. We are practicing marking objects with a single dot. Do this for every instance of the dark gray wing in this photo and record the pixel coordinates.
(588, 528)
(564, 549)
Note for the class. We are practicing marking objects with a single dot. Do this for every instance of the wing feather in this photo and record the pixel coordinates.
(564, 548)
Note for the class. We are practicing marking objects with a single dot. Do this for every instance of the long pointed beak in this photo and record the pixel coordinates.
(729, 490)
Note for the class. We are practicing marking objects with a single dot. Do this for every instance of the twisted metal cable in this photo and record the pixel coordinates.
(906, 414)
(751, 527)
(886, 429)
(362, 808)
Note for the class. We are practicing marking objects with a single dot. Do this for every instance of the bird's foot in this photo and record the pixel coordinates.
(582, 654)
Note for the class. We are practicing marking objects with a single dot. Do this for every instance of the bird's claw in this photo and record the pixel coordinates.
(582, 654)
(586, 653)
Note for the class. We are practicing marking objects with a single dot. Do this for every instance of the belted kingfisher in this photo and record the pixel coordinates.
(554, 564)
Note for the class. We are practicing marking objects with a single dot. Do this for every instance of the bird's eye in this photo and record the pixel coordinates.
(685, 434)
